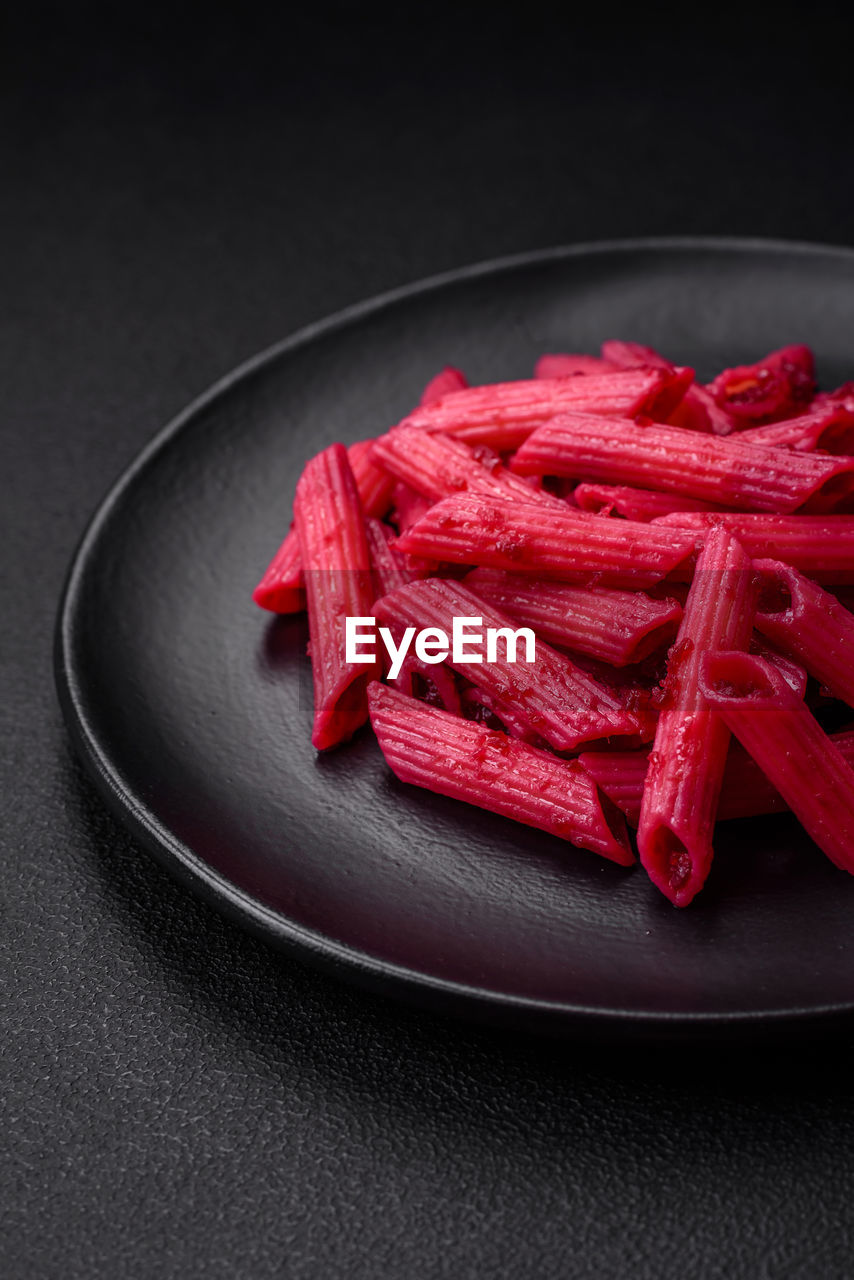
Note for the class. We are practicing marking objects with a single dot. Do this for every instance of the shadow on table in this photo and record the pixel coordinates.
(294, 1018)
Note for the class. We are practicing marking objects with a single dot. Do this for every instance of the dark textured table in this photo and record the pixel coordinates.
(176, 1099)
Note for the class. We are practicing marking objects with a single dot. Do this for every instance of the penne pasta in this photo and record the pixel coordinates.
(503, 414)
(336, 564)
(809, 624)
(636, 504)
(571, 545)
(426, 747)
(822, 547)
(281, 590)
(550, 696)
(724, 470)
(682, 787)
(437, 466)
(619, 627)
(792, 750)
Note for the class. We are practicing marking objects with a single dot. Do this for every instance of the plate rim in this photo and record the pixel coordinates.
(323, 952)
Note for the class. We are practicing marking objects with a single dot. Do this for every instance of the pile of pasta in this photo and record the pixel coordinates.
(684, 555)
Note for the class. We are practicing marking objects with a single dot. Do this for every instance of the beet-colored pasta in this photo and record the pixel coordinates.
(479, 705)
(571, 366)
(636, 504)
(778, 386)
(374, 484)
(432, 683)
(790, 747)
(281, 590)
(604, 554)
(792, 672)
(808, 623)
(336, 564)
(822, 547)
(633, 355)
(553, 696)
(745, 791)
(407, 506)
(467, 761)
(446, 380)
(503, 414)
(683, 785)
(830, 427)
(571, 545)
(699, 411)
(615, 626)
(390, 569)
(437, 466)
(716, 469)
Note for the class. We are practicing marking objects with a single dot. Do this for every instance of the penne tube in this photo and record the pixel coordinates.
(503, 414)
(467, 761)
(437, 466)
(337, 569)
(690, 463)
(636, 504)
(615, 626)
(390, 569)
(792, 672)
(571, 545)
(790, 747)
(281, 590)
(432, 683)
(407, 506)
(446, 380)
(699, 411)
(682, 788)
(571, 366)
(550, 695)
(830, 428)
(745, 792)
(809, 624)
(633, 355)
(822, 547)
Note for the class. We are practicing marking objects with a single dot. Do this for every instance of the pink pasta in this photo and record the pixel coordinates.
(681, 793)
(639, 566)
(792, 750)
(428, 748)
(636, 504)
(281, 590)
(337, 569)
(570, 366)
(552, 696)
(437, 466)
(446, 380)
(745, 792)
(829, 427)
(615, 626)
(822, 547)
(503, 414)
(716, 469)
(809, 624)
(571, 545)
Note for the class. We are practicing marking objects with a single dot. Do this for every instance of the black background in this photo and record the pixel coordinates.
(178, 190)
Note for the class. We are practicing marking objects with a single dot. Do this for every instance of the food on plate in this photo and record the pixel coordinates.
(608, 593)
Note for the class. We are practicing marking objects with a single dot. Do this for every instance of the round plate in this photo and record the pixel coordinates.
(192, 708)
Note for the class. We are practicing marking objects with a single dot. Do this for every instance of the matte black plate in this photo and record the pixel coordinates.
(192, 708)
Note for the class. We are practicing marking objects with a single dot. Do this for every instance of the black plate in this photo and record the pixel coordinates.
(192, 708)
